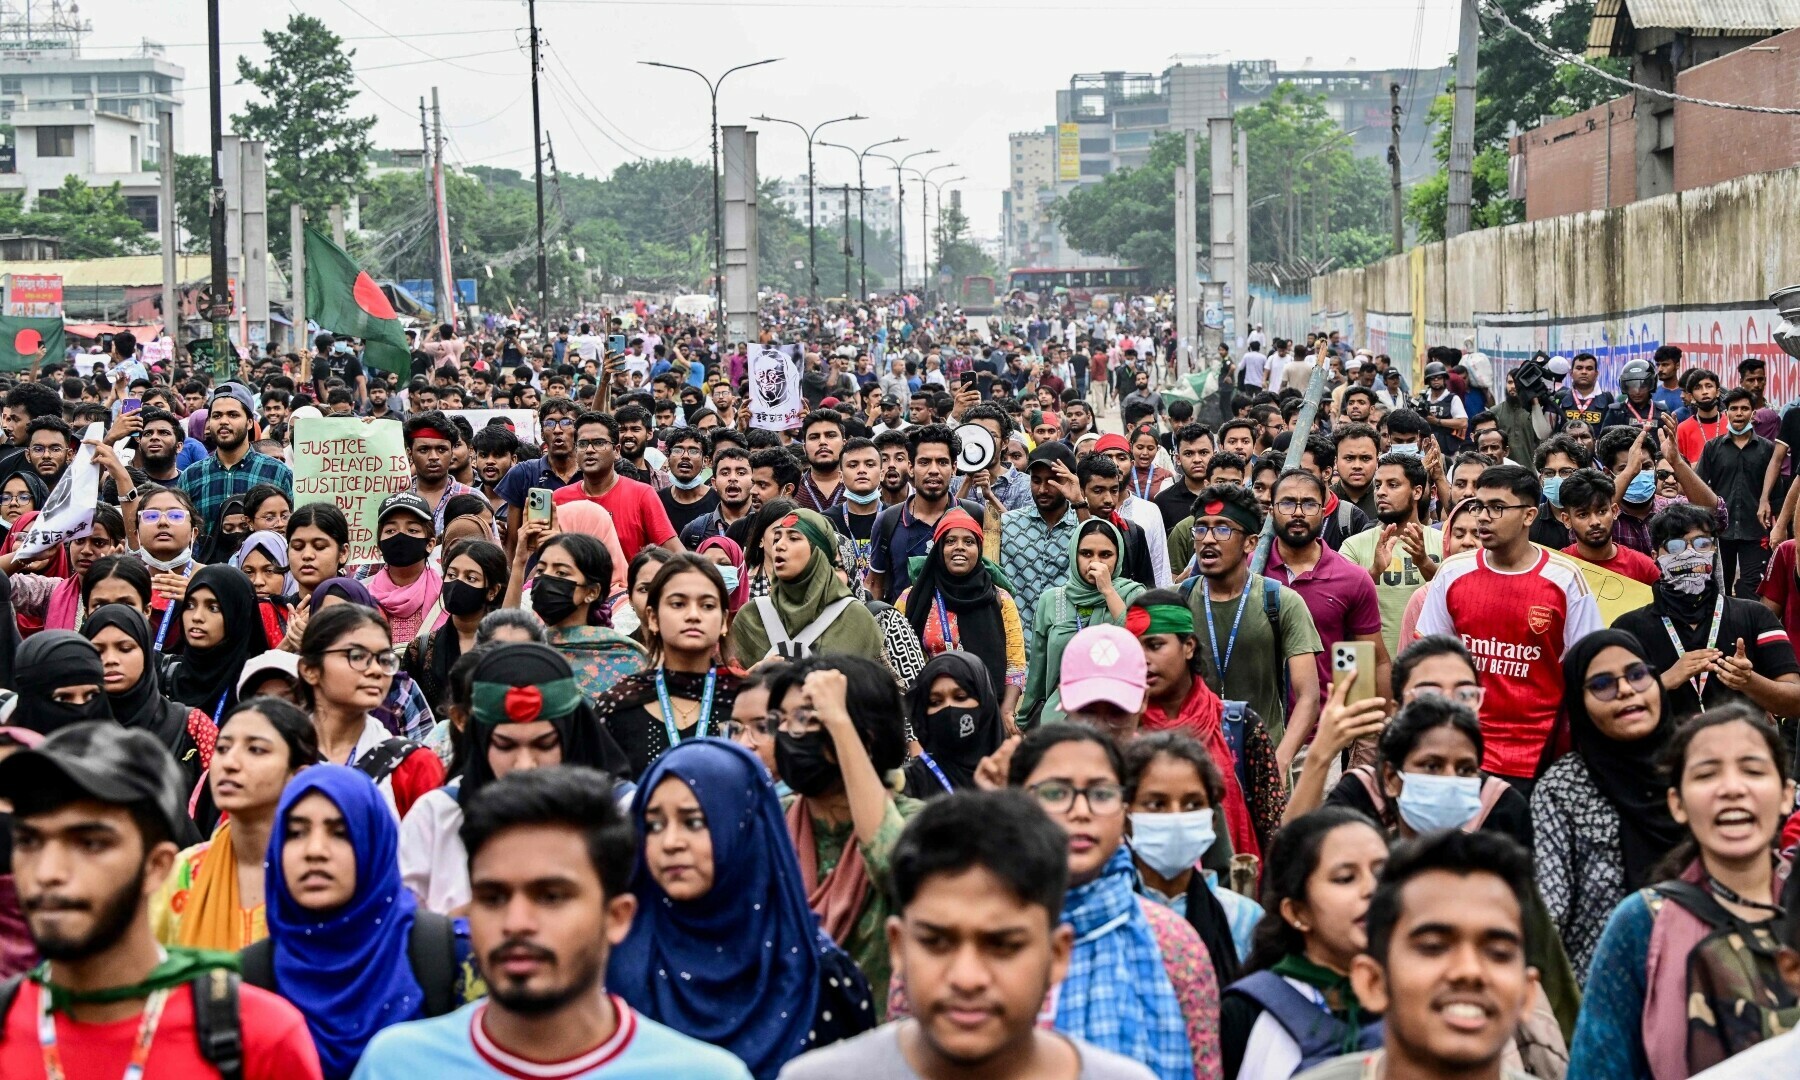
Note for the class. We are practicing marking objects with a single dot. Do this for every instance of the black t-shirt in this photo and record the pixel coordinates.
(1548, 532)
(1176, 502)
(1765, 643)
(680, 514)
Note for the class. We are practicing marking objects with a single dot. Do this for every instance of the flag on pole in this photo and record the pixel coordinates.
(344, 299)
(21, 338)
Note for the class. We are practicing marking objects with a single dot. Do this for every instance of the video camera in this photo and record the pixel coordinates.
(1534, 387)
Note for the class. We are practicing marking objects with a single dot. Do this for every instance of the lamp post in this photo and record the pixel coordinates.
(900, 207)
(812, 209)
(718, 227)
(925, 218)
(937, 189)
(862, 217)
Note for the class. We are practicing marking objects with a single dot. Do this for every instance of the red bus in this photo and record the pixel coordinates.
(1081, 284)
(977, 295)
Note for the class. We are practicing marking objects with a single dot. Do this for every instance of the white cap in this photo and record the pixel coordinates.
(1557, 366)
(274, 662)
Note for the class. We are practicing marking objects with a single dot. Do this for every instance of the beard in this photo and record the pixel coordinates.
(113, 916)
(1300, 533)
(158, 464)
(584, 979)
(233, 443)
(1402, 516)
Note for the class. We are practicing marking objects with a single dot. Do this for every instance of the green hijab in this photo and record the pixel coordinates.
(800, 602)
(1080, 593)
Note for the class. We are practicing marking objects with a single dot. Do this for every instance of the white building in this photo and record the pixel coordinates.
(877, 202)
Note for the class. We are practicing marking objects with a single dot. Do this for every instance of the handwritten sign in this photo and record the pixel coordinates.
(69, 512)
(355, 463)
(1614, 593)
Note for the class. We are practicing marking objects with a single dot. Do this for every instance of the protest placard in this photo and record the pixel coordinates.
(69, 512)
(524, 421)
(775, 401)
(355, 463)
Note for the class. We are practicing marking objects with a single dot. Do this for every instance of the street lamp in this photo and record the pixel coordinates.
(718, 227)
(812, 210)
(862, 217)
(924, 218)
(900, 209)
(937, 188)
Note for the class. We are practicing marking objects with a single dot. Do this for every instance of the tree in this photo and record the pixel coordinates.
(193, 190)
(1311, 198)
(1130, 214)
(317, 152)
(90, 222)
(955, 251)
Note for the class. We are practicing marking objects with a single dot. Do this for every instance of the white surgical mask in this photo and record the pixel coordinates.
(1172, 843)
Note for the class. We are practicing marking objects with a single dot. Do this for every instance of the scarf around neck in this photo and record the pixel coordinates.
(1202, 716)
(1340, 996)
(178, 966)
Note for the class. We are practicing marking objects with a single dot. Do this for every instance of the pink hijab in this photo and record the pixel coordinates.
(736, 555)
(582, 516)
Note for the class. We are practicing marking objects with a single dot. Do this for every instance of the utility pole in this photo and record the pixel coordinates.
(1394, 168)
(437, 293)
(562, 211)
(219, 308)
(847, 248)
(812, 206)
(446, 278)
(171, 301)
(537, 145)
(1462, 124)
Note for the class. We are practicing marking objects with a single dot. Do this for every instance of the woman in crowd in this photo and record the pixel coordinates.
(1317, 881)
(222, 629)
(407, 589)
(318, 537)
(134, 690)
(234, 525)
(60, 680)
(1146, 479)
(24, 492)
(347, 664)
(724, 947)
(756, 552)
(404, 711)
(629, 618)
(569, 575)
(1173, 823)
(956, 602)
(346, 943)
(268, 508)
(1095, 593)
(1140, 982)
(838, 734)
(166, 531)
(592, 519)
(808, 605)
(725, 555)
(1601, 813)
(1177, 698)
(685, 694)
(751, 726)
(955, 718)
(500, 736)
(475, 580)
(1654, 1012)
(263, 557)
(117, 579)
(55, 602)
(214, 897)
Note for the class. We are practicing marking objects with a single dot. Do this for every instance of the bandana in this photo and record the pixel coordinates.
(1111, 441)
(816, 536)
(1159, 619)
(504, 703)
(1226, 509)
(432, 433)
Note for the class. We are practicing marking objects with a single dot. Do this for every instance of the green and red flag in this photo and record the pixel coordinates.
(22, 339)
(342, 298)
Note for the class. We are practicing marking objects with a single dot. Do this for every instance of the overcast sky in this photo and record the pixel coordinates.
(952, 75)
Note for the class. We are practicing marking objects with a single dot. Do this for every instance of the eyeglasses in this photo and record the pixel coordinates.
(799, 722)
(173, 517)
(1219, 532)
(360, 658)
(23, 498)
(1552, 474)
(757, 727)
(687, 451)
(592, 444)
(1299, 506)
(40, 450)
(1467, 695)
(560, 422)
(1701, 544)
(1606, 687)
(1494, 509)
(1058, 796)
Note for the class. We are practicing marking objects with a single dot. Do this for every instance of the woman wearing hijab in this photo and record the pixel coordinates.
(730, 953)
(134, 689)
(221, 628)
(808, 606)
(475, 581)
(341, 945)
(954, 716)
(1600, 815)
(955, 602)
(724, 553)
(1096, 592)
(405, 711)
(263, 557)
(507, 731)
(592, 519)
(60, 681)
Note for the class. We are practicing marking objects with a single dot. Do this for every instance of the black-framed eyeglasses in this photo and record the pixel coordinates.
(1059, 796)
(360, 658)
(1606, 687)
(559, 422)
(1300, 506)
(1219, 532)
(1494, 509)
(593, 444)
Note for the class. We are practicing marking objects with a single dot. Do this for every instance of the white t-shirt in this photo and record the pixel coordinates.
(1254, 367)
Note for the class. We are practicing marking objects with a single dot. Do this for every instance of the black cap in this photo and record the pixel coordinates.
(405, 502)
(1054, 451)
(105, 761)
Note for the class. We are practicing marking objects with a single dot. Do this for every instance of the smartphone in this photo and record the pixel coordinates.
(1356, 657)
(130, 405)
(537, 505)
(968, 380)
(615, 343)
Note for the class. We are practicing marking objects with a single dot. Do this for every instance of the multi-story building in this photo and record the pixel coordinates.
(877, 202)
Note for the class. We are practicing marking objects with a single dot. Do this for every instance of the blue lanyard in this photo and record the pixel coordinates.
(220, 709)
(668, 710)
(1224, 661)
(935, 771)
(163, 630)
(1143, 490)
(944, 623)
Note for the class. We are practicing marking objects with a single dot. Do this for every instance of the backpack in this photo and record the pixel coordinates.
(800, 645)
(1236, 720)
(218, 1027)
(380, 763)
(430, 952)
(1320, 1035)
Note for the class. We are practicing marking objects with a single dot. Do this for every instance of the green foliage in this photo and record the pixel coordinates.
(193, 186)
(955, 252)
(317, 152)
(90, 222)
(1130, 214)
(1311, 197)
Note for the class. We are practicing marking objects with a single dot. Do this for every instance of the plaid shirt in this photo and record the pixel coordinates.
(209, 482)
(452, 488)
(1035, 555)
(1635, 534)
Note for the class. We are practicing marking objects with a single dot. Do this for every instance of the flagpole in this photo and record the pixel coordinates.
(219, 307)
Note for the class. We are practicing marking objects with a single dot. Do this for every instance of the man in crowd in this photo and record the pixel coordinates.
(687, 496)
(557, 468)
(732, 490)
(822, 438)
(1193, 447)
(431, 442)
(895, 448)
(1581, 400)
(637, 513)
(1401, 552)
(854, 515)
(904, 530)
(233, 467)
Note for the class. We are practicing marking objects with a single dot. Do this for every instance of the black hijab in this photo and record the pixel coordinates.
(972, 596)
(143, 705)
(202, 676)
(955, 738)
(9, 634)
(49, 661)
(1625, 773)
(521, 682)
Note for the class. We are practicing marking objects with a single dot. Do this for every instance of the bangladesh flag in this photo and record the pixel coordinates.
(22, 337)
(345, 300)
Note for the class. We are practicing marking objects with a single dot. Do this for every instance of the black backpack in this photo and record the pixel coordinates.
(430, 951)
(217, 1026)
(380, 763)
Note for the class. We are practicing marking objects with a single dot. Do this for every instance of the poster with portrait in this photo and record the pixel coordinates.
(775, 401)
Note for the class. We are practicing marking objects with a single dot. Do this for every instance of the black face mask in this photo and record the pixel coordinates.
(403, 550)
(953, 733)
(462, 598)
(800, 760)
(228, 544)
(51, 715)
(553, 598)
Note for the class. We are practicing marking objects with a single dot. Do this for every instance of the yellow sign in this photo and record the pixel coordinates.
(1068, 152)
(1615, 593)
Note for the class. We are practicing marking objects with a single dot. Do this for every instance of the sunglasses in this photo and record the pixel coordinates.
(1606, 687)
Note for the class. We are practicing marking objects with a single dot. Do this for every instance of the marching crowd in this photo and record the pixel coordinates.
(1319, 725)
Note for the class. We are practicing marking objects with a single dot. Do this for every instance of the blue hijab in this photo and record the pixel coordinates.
(739, 967)
(345, 970)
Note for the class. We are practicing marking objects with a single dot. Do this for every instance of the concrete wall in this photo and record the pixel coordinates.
(1692, 269)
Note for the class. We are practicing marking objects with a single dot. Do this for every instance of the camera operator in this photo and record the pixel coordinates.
(1442, 409)
(1634, 408)
(1524, 417)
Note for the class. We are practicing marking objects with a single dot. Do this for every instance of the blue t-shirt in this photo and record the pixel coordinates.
(526, 475)
(192, 450)
(897, 537)
(1667, 398)
(454, 1046)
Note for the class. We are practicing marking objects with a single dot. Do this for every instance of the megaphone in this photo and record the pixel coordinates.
(978, 448)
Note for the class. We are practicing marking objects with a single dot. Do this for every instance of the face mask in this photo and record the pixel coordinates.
(464, 599)
(950, 733)
(1745, 430)
(801, 761)
(176, 562)
(1642, 487)
(1410, 450)
(625, 619)
(403, 550)
(1553, 490)
(51, 715)
(553, 599)
(688, 485)
(229, 542)
(1687, 572)
(730, 574)
(863, 500)
(1171, 843)
(1430, 802)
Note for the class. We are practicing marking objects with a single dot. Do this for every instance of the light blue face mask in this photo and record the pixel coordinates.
(689, 485)
(1642, 487)
(730, 574)
(1745, 430)
(1428, 802)
(864, 499)
(1411, 450)
(1553, 490)
(1172, 843)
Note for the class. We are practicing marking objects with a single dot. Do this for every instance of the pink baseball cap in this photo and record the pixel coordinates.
(1103, 663)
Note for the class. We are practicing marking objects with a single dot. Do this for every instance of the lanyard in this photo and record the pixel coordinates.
(950, 641)
(162, 631)
(935, 771)
(220, 709)
(668, 710)
(1720, 890)
(1698, 682)
(140, 1046)
(819, 499)
(1224, 661)
(1143, 489)
(1640, 417)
